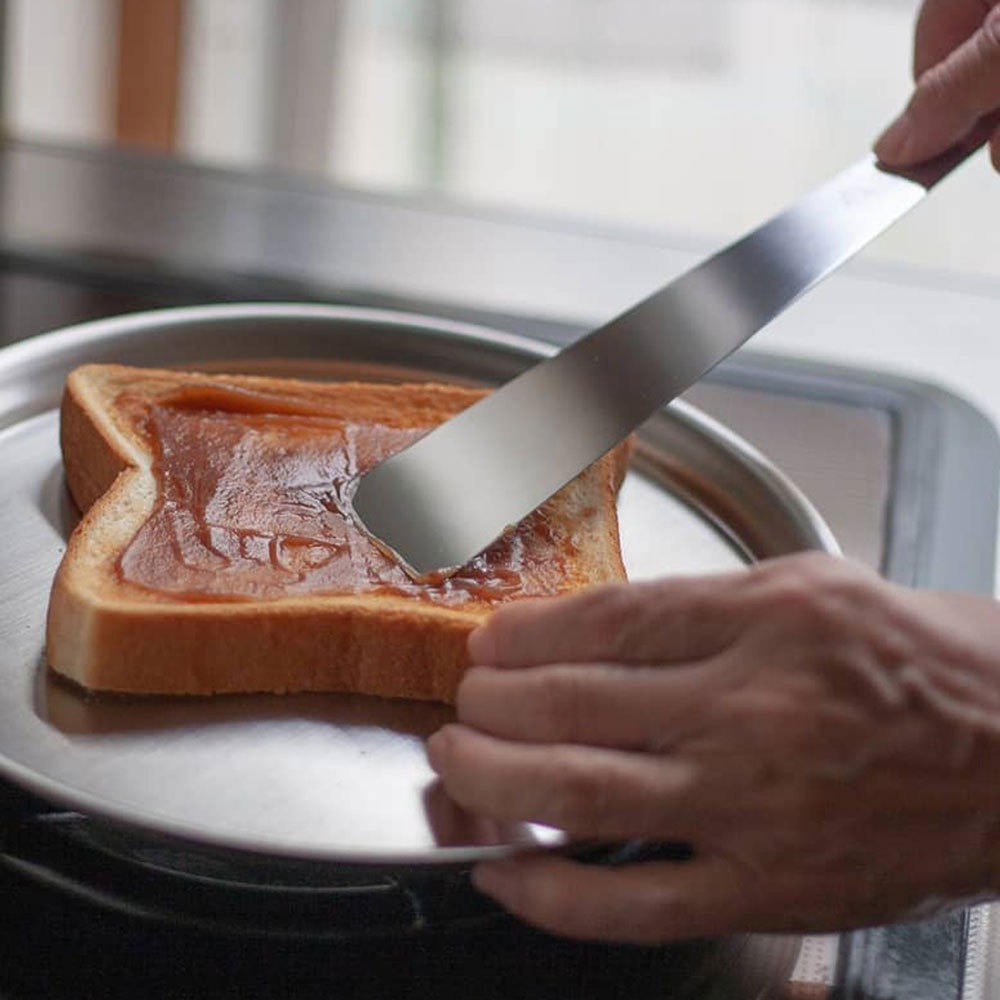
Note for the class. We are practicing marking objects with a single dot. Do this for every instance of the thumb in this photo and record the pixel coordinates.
(949, 100)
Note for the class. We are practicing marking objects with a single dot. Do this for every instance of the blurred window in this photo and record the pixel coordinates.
(693, 117)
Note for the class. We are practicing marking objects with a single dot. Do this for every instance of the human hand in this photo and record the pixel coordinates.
(956, 64)
(828, 744)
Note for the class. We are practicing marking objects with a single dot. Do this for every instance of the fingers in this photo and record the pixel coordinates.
(659, 622)
(661, 901)
(942, 26)
(656, 901)
(950, 100)
(453, 826)
(662, 622)
(630, 708)
(587, 792)
(667, 901)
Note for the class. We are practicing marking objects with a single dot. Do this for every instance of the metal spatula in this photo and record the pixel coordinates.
(448, 496)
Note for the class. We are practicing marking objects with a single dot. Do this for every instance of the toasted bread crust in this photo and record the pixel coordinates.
(108, 635)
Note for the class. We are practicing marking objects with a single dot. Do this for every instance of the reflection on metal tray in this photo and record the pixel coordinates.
(335, 778)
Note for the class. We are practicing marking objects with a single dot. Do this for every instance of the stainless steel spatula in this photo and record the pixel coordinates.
(448, 496)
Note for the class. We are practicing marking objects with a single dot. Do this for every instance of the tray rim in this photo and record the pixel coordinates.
(50, 349)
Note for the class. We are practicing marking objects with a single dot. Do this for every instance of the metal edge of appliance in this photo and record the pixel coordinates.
(42, 363)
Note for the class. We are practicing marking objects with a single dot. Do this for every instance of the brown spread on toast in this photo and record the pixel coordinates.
(254, 502)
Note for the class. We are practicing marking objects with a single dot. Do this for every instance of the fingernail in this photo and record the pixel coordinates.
(436, 748)
(487, 876)
(893, 145)
(482, 647)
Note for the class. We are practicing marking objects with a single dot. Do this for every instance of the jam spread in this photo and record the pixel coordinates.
(255, 502)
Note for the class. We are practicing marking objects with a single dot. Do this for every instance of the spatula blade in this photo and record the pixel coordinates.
(448, 496)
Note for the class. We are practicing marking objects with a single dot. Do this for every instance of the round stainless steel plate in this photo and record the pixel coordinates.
(335, 778)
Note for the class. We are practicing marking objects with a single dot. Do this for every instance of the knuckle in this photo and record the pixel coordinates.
(548, 894)
(990, 33)
(558, 703)
(951, 85)
(656, 913)
(668, 914)
(561, 913)
(935, 89)
(472, 689)
(504, 626)
(580, 802)
(943, 98)
(790, 570)
(821, 591)
(805, 826)
(545, 902)
(612, 611)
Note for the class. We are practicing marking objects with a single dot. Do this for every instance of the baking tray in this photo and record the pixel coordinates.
(318, 777)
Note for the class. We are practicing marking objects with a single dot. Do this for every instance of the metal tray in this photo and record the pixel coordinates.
(322, 778)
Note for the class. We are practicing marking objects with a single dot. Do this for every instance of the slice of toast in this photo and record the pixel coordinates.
(217, 551)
